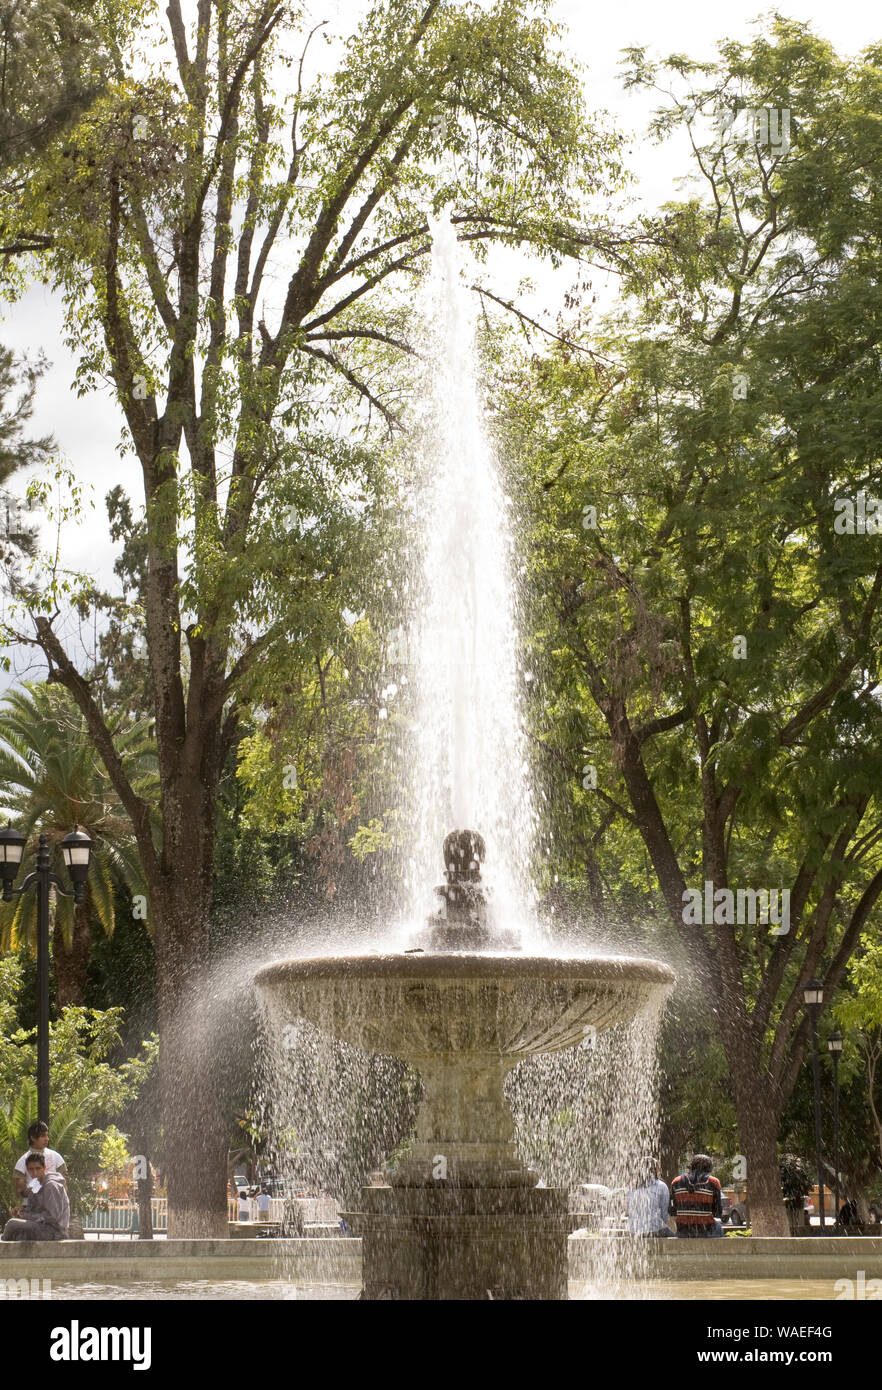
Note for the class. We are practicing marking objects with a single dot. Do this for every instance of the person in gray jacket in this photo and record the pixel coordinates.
(46, 1212)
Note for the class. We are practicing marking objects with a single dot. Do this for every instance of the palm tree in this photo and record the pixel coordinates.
(51, 779)
(69, 1125)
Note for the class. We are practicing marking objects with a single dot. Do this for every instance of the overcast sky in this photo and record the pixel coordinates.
(88, 430)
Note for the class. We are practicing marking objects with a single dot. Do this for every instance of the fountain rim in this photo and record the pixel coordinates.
(467, 966)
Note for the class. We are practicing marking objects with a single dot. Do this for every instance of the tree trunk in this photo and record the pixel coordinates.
(757, 1102)
(194, 1135)
(71, 965)
(195, 1138)
(757, 1114)
(144, 1191)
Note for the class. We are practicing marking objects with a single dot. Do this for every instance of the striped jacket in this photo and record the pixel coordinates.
(697, 1206)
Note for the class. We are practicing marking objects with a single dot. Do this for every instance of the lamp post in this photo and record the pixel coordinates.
(834, 1044)
(813, 994)
(76, 849)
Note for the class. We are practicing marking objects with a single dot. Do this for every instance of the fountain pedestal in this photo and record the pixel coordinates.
(463, 1217)
(446, 1242)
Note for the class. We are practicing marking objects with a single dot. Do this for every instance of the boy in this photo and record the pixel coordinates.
(46, 1214)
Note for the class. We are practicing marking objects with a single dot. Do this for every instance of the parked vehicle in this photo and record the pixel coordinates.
(734, 1210)
(275, 1186)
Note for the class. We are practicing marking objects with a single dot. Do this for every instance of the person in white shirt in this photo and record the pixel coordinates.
(38, 1142)
(46, 1212)
(263, 1205)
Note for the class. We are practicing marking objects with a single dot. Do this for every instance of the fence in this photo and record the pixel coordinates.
(120, 1217)
(315, 1211)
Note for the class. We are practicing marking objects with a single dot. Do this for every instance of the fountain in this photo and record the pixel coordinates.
(463, 1218)
(476, 991)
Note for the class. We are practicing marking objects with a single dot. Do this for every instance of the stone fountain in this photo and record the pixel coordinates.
(463, 1218)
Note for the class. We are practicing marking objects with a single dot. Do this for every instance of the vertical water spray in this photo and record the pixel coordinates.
(469, 765)
(463, 1215)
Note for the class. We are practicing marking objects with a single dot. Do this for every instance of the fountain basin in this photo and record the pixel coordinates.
(424, 1007)
(463, 1217)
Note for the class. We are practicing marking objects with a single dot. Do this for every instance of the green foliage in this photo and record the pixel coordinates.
(796, 1180)
(52, 778)
(863, 1008)
(87, 1089)
(53, 64)
(114, 1154)
(270, 564)
(714, 522)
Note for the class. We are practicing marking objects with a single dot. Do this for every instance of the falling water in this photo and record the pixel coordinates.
(469, 765)
(589, 1115)
(584, 1114)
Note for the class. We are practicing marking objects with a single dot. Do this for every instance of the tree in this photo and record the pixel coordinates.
(17, 452)
(709, 635)
(861, 1014)
(51, 779)
(52, 67)
(175, 204)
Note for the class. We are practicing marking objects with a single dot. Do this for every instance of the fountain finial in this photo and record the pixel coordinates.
(463, 921)
(464, 852)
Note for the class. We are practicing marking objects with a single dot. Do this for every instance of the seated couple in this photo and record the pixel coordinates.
(41, 1183)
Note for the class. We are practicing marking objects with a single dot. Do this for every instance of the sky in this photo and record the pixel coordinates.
(88, 429)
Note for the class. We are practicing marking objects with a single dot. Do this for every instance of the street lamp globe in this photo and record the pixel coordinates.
(834, 1042)
(12, 844)
(813, 993)
(77, 848)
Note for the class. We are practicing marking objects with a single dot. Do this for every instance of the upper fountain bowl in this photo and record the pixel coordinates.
(430, 1005)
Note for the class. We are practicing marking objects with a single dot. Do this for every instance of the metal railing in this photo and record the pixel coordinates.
(120, 1217)
(314, 1211)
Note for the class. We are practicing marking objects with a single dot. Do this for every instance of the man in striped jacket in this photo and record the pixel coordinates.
(697, 1200)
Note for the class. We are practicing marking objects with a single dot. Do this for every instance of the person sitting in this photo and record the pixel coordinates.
(46, 1211)
(848, 1213)
(38, 1142)
(697, 1200)
(648, 1203)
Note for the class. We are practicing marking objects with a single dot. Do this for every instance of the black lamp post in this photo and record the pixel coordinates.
(813, 994)
(834, 1043)
(76, 849)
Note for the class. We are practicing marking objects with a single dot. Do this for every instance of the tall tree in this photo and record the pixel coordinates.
(710, 619)
(237, 251)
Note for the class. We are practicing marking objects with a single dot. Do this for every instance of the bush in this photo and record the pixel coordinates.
(87, 1092)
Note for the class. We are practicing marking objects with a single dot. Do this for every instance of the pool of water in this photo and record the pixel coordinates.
(278, 1290)
(680, 1290)
(182, 1289)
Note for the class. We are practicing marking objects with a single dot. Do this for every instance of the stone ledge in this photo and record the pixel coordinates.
(332, 1261)
(741, 1257)
(337, 1260)
(166, 1249)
